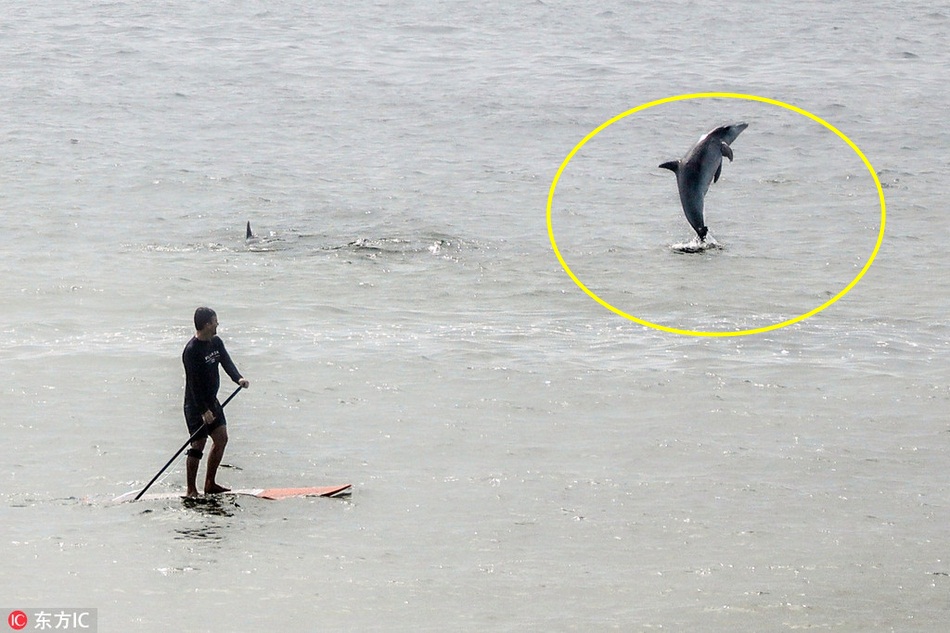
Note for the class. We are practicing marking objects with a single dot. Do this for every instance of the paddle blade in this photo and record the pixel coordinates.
(129, 496)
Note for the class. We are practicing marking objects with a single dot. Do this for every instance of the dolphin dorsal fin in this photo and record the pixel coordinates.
(248, 234)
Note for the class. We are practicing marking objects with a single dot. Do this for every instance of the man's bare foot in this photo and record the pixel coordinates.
(215, 489)
(193, 493)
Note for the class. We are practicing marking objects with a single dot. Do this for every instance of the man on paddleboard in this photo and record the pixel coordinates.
(201, 357)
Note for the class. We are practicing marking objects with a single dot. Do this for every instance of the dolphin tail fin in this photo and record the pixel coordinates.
(673, 166)
(248, 234)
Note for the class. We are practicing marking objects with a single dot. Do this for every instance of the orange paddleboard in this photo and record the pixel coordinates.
(262, 493)
(283, 493)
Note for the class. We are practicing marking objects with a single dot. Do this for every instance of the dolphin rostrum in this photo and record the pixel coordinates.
(699, 168)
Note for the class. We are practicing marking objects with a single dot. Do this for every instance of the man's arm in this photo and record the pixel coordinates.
(230, 368)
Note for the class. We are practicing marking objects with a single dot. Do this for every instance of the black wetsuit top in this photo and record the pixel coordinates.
(201, 360)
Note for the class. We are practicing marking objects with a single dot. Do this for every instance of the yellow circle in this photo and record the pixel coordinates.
(716, 95)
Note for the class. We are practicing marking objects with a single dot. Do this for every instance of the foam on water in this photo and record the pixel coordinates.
(696, 245)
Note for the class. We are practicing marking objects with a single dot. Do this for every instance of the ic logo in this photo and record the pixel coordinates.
(17, 620)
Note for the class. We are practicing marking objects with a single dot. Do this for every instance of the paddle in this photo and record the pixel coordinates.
(180, 450)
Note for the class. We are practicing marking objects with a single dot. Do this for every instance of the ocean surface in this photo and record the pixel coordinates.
(523, 459)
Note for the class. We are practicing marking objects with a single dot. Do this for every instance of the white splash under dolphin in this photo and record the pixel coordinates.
(701, 167)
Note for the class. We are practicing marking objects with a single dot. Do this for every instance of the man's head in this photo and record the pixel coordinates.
(206, 321)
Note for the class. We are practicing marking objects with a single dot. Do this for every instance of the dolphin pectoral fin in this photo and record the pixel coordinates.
(718, 171)
(673, 166)
(726, 151)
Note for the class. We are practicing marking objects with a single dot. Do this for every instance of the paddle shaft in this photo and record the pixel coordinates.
(191, 439)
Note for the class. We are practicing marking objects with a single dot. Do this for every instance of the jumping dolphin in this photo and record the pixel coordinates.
(699, 168)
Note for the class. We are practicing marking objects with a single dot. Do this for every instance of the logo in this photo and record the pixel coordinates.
(85, 620)
(17, 620)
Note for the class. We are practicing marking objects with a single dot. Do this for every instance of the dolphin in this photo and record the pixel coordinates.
(248, 234)
(701, 167)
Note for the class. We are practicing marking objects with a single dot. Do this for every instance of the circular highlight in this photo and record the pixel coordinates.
(700, 333)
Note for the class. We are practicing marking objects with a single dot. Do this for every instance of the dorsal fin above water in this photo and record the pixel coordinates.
(249, 234)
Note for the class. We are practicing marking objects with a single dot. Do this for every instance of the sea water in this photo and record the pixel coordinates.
(523, 458)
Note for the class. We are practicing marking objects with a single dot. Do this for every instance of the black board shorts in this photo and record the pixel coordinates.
(194, 421)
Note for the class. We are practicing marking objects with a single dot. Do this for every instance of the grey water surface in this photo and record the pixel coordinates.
(522, 458)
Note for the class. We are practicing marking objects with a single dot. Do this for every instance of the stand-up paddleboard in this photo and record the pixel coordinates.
(261, 493)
